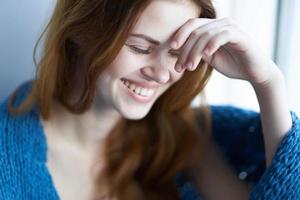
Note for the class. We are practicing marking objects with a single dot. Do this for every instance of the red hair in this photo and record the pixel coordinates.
(141, 157)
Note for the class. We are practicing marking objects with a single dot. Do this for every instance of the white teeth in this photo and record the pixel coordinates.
(144, 92)
(132, 86)
(138, 90)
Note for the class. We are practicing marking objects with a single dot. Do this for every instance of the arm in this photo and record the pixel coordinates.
(275, 114)
(225, 47)
(281, 179)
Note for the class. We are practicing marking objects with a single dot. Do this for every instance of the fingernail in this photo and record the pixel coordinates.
(174, 44)
(189, 65)
(178, 67)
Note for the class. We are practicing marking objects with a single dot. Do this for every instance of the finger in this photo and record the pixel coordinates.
(219, 40)
(194, 54)
(187, 28)
(180, 64)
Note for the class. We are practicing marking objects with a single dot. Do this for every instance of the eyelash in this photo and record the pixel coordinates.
(142, 51)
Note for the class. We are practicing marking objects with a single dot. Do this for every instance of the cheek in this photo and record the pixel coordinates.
(125, 63)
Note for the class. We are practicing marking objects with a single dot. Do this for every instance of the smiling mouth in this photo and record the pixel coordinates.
(138, 90)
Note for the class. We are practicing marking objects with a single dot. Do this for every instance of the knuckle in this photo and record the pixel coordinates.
(191, 21)
(212, 43)
(194, 33)
(207, 34)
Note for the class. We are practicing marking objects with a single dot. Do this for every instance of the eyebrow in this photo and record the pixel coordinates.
(146, 37)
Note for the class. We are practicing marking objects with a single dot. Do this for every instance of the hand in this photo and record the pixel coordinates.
(225, 47)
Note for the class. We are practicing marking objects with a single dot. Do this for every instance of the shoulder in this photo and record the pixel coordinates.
(234, 127)
(226, 112)
(19, 134)
(231, 113)
(237, 132)
(230, 118)
(23, 153)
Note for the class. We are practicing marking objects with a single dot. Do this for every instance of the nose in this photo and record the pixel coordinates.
(157, 71)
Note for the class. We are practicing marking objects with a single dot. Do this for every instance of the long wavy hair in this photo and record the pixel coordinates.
(142, 157)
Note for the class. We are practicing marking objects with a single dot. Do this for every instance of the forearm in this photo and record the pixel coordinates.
(275, 114)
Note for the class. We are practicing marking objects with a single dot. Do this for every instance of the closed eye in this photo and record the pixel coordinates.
(138, 50)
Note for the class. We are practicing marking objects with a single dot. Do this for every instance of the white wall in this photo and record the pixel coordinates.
(21, 22)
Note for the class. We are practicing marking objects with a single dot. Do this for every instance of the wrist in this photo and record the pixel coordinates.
(276, 80)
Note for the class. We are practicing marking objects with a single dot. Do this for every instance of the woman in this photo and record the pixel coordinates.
(108, 115)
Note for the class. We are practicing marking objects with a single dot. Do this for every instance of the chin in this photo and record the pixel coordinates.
(133, 115)
(133, 111)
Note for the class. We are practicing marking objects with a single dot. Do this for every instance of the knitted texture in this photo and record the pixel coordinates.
(23, 155)
(238, 134)
(23, 171)
(282, 178)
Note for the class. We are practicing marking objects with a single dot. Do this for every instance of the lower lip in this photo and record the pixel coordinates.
(137, 97)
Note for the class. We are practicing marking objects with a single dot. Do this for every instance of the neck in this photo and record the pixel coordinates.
(88, 129)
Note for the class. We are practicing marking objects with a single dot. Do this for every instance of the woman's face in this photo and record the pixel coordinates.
(144, 68)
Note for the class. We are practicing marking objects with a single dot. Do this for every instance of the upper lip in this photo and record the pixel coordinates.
(143, 84)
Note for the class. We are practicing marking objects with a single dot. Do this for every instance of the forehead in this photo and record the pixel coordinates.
(162, 18)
